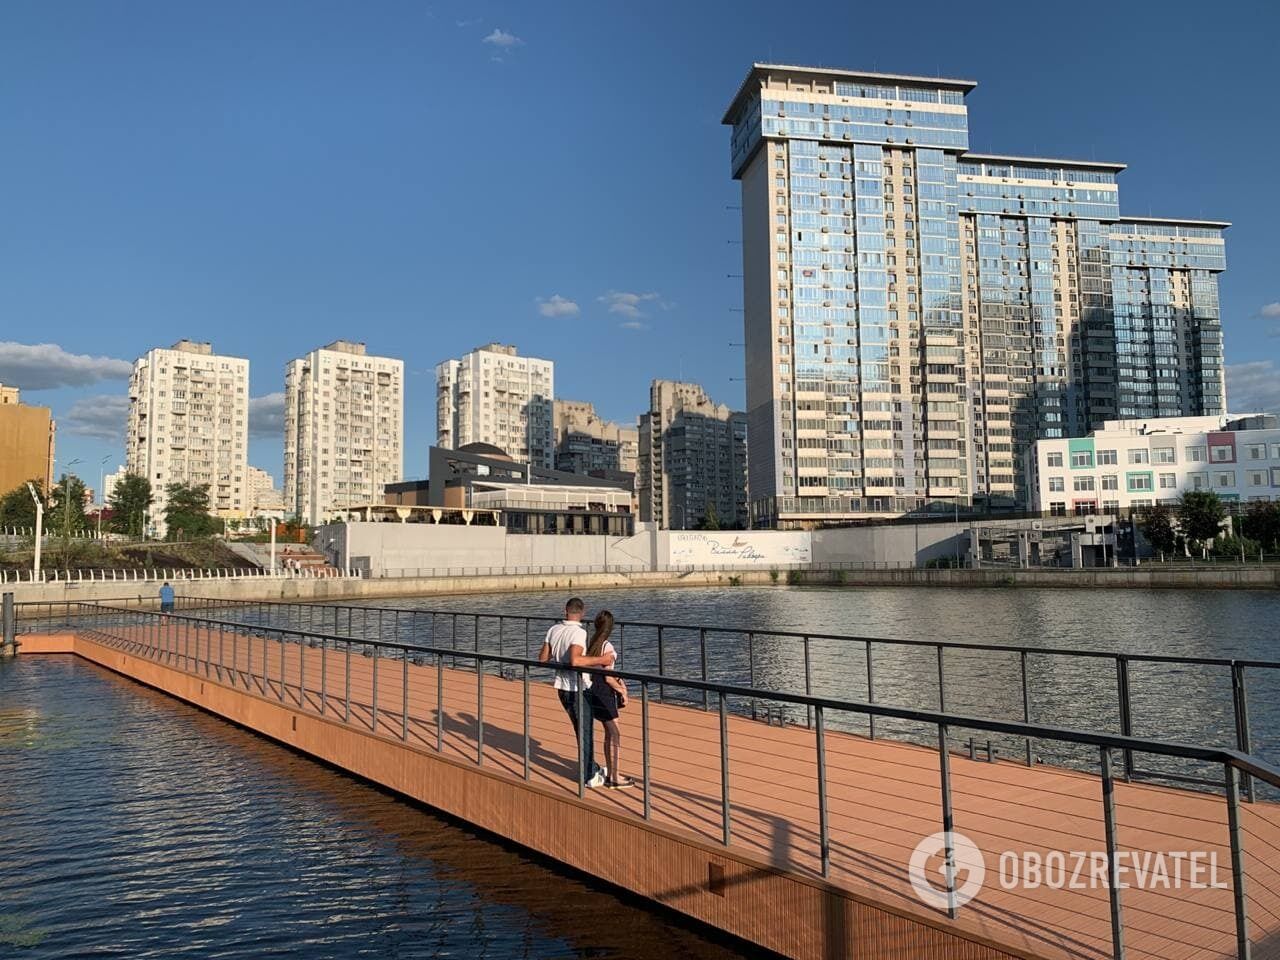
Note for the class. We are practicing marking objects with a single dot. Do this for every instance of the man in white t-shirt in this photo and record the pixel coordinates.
(566, 644)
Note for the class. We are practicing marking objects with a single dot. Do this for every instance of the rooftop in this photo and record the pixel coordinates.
(758, 68)
(1221, 224)
(1043, 161)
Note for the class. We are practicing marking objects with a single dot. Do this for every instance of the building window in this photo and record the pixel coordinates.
(1110, 506)
(1058, 508)
(1081, 459)
(1053, 460)
(1257, 451)
(1107, 458)
(1224, 478)
(1221, 453)
(1195, 454)
(1168, 481)
(1257, 478)
(1082, 483)
(1275, 476)
(1139, 456)
(1198, 481)
(1110, 481)
(1057, 485)
(1164, 455)
(1139, 482)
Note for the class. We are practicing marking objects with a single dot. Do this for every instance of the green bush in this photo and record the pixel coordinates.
(773, 575)
(795, 576)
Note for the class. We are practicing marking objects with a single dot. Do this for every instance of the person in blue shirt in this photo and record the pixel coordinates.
(166, 598)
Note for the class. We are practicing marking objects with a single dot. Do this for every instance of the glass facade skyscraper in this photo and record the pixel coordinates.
(917, 315)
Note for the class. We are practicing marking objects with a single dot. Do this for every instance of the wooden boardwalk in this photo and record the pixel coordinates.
(883, 797)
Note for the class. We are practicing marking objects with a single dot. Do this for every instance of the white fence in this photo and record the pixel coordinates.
(160, 574)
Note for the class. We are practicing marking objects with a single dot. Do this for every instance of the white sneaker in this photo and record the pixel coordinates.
(597, 780)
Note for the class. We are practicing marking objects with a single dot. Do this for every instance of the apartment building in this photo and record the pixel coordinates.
(27, 437)
(584, 443)
(692, 459)
(916, 315)
(1138, 463)
(344, 430)
(189, 423)
(493, 395)
(264, 496)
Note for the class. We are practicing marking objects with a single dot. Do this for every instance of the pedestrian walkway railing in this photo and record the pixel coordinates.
(1199, 699)
(378, 684)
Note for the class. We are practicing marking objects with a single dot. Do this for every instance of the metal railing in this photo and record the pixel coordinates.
(257, 660)
(1028, 682)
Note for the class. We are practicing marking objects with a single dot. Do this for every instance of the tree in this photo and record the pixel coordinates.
(711, 519)
(187, 512)
(66, 507)
(17, 509)
(1200, 515)
(1262, 523)
(1157, 524)
(130, 501)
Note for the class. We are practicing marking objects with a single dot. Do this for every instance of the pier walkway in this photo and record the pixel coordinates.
(795, 839)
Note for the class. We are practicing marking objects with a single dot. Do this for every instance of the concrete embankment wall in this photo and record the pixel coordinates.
(796, 915)
(1152, 577)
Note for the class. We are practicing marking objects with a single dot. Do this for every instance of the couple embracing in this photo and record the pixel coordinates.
(567, 645)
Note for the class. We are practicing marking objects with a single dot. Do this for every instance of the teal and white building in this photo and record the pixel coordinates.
(1140, 463)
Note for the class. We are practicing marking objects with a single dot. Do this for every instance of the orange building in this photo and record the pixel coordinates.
(26, 442)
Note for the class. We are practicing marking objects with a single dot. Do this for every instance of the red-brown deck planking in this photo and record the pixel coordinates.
(883, 797)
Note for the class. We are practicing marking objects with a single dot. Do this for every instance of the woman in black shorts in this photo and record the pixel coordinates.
(607, 695)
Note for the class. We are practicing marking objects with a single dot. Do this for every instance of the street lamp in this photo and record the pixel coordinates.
(102, 482)
(35, 563)
(66, 495)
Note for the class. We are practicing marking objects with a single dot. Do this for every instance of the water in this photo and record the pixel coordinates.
(1169, 702)
(135, 826)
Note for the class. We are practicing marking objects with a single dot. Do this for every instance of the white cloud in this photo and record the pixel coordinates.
(46, 366)
(102, 418)
(629, 304)
(503, 40)
(633, 325)
(558, 306)
(1271, 310)
(266, 416)
(1253, 387)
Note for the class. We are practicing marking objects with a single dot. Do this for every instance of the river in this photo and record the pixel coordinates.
(136, 826)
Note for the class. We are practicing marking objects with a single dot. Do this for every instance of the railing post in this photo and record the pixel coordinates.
(1126, 710)
(644, 745)
(1239, 895)
(942, 685)
(808, 685)
(526, 722)
(302, 673)
(751, 668)
(725, 815)
(346, 696)
(948, 821)
(373, 709)
(1113, 867)
(1240, 705)
(662, 670)
(702, 644)
(324, 676)
(871, 694)
(404, 685)
(579, 706)
(1026, 700)
(479, 709)
(439, 702)
(282, 666)
(824, 838)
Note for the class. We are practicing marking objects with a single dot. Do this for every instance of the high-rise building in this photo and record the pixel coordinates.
(343, 430)
(26, 442)
(692, 459)
(264, 496)
(111, 481)
(493, 395)
(916, 315)
(189, 424)
(586, 444)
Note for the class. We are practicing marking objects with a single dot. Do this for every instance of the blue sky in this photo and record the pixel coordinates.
(428, 176)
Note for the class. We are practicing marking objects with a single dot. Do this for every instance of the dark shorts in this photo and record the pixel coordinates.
(603, 701)
(166, 607)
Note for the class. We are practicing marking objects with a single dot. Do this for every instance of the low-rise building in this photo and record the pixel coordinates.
(1139, 463)
(26, 442)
